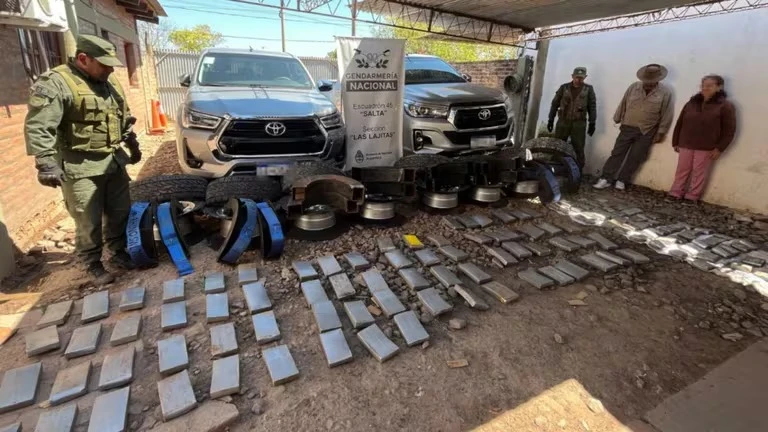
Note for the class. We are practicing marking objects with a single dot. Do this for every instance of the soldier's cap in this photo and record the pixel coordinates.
(580, 72)
(100, 49)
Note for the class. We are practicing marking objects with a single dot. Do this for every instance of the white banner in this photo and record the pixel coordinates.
(372, 80)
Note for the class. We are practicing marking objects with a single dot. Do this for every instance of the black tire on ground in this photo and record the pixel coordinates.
(242, 186)
(164, 188)
(421, 161)
(549, 145)
(308, 169)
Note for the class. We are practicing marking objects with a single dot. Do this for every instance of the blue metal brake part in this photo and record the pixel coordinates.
(172, 239)
(245, 235)
(573, 169)
(138, 219)
(272, 237)
(549, 188)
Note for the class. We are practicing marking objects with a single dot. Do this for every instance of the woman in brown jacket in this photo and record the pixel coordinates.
(704, 130)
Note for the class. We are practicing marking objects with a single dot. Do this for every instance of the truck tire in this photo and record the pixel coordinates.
(242, 186)
(164, 188)
(421, 161)
(548, 145)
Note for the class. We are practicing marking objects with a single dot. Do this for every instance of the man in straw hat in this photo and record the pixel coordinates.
(645, 115)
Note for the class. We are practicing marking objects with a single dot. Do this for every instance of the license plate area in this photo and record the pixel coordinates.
(276, 169)
(482, 141)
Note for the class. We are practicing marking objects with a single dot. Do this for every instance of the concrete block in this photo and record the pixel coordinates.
(478, 238)
(335, 347)
(172, 354)
(84, 341)
(535, 278)
(572, 270)
(95, 307)
(453, 253)
(211, 416)
(474, 272)
(414, 279)
(468, 221)
(57, 420)
(725, 251)
(482, 220)
(132, 299)
(710, 240)
(537, 249)
(313, 292)
(42, 341)
(397, 259)
(438, 240)
(173, 315)
(176, 395)
(358, 314)
(602, 241)
(427, 257)
(613, 258)
(110, 411)
(377, 343)
(247, 273)
(15, 427)
(411, 329)
(701, 264)
(432, 301)
(173, 290)
(581, 241)
(223, 340)
(385, 244)
(305, 271)
(328, 265)
(126, 330)
(517, 250)
(342, 286)
(533, 213)
(280, 364)
(117, 369)
(388, 302)
(564, 244)
(356, 260)
(501, 292)
(256, 297)
(598, 263)
(225, 377)
(70, 383)
(446, 277)
(326, 317)
(374, 280)
(214, 283)
(558, 276)
(452, 222)
(216, 307)
(568, 227)
(502, 236)
(549, 228)
(504, 257)
(19, 387)
(503, 215)
(473, 300)
(631, 211)
(265, 327)
(55, 314)
(521, 215)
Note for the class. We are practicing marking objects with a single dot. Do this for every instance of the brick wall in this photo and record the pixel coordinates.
(488, 73)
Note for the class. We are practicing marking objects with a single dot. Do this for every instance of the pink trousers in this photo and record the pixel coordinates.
(692, 169)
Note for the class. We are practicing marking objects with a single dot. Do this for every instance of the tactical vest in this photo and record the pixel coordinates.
(95, 122)
(571, 109)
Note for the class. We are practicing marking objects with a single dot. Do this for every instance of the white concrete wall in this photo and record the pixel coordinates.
(732, 45)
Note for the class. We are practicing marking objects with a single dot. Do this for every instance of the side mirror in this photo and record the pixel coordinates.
(185, 80)
(324, 86)
(466, 77)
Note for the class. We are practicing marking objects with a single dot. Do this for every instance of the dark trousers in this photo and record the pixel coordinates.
(576, 130)
(629, 152)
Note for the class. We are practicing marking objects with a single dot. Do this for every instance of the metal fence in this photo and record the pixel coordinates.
(171, 65)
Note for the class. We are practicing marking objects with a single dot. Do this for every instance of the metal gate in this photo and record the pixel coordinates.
(170, 65)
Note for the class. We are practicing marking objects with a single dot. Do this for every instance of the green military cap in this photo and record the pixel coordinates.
(580, 72)
(100, 49)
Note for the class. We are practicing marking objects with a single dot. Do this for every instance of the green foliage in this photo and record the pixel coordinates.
(331, 55)
(452, 51)
(196, 38)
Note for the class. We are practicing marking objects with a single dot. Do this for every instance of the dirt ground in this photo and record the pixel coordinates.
(534, 365)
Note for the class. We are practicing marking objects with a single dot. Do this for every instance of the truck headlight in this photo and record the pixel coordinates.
(332, 121)
(420, 110)
(508, 105)
(195, 119)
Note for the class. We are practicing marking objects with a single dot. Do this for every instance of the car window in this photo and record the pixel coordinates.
(229, 69)
(430, 70)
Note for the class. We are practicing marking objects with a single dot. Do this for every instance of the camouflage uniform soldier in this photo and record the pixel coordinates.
(77, 119)
(574, 103)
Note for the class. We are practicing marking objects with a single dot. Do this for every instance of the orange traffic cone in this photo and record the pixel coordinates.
(156, 127)
(163, 118)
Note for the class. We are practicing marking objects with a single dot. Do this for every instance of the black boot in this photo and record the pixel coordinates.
(99, 274)
(122, 260)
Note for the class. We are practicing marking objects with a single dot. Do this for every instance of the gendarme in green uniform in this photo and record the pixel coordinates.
(574, 107)
(74, 127)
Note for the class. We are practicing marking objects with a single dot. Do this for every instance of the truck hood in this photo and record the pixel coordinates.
(245, 102)
(452, 93)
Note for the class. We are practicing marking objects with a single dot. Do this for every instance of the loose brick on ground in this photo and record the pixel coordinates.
(173, 315)
(214, 283)
(95, 306)
(326, 317)
(84, 341)
(223, 340)
(342, 286)
(55, 314)
(132, 298)
(377, 343)
(19, 387)
(216, 307)
(358, 314)
(225, 377)
(329, 265)
(57, 420)
(256, 297)
(126, 330)
(70, 383)
(43, 340)
(280, 364)
(411, 329)
(335, 347)
(176, 395)
(432, 301)
(117, 369)
(313, 292)
(172, 354)
(247, 273)
(173, 290)
(265, 327)
(110, 411)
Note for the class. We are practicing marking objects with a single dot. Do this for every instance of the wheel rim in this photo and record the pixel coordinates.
(378, 210)
(316, 221)
(440, 200)
(486, 194)
(527, 187)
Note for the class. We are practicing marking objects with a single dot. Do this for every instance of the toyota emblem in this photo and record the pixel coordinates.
(275, 129)
(484, 114)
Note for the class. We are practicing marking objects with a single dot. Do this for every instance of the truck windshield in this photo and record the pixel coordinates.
(429, 70)
(228, 69)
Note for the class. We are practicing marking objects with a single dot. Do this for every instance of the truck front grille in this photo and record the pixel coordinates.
(469, 118)
(465, 138)
(250, 138)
